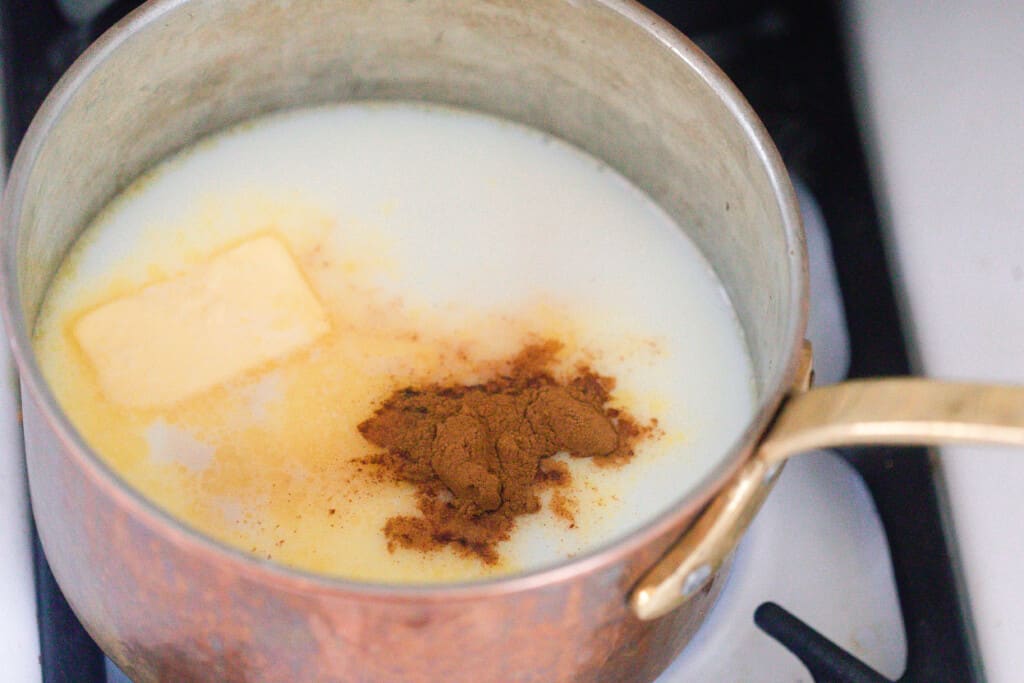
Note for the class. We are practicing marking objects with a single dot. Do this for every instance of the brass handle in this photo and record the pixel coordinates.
(881, 412)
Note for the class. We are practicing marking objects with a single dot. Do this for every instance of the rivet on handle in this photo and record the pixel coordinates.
(696, 580)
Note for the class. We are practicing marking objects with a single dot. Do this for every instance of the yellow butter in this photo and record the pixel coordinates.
(174, 339)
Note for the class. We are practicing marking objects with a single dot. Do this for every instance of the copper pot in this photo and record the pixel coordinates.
(169, 604)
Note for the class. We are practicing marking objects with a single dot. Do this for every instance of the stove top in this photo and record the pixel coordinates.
(851, 543)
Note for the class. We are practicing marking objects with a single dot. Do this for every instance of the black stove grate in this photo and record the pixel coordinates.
(787, 58)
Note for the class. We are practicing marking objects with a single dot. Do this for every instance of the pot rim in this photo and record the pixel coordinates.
(258, 570)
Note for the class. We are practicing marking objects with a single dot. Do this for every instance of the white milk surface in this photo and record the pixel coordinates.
(438, 241)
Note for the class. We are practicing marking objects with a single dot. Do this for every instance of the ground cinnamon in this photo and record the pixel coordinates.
(479, 453)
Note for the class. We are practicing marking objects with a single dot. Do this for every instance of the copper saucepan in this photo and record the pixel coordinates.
(168, 604)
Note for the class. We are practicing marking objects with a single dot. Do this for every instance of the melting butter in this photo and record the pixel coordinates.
(177, 338)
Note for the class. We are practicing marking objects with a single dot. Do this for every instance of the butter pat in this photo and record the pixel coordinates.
(174, 339)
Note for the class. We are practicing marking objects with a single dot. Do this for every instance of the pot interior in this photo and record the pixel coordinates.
(605, 76)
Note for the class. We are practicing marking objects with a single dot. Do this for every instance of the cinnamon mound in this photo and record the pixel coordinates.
(479, 454)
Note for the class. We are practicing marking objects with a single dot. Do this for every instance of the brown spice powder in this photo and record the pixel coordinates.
(479, 454)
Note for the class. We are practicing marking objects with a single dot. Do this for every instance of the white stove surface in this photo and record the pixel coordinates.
(941, 88)
(816, 549)
(19, 638)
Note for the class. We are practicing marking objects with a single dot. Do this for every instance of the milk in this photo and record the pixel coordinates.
(438, 241)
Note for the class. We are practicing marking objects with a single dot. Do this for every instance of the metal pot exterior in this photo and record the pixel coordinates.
(168, 604)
